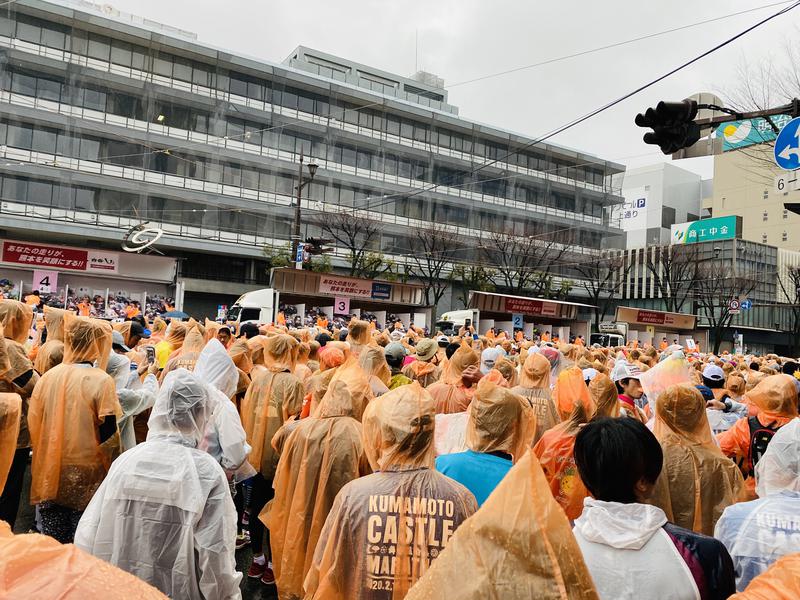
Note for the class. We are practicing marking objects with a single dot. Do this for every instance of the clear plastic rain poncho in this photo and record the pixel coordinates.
(780, 582)
(272, 398)
(67, 406)
(674, 370)
(499, 421)
(534, 386)
(450, 393)
(16, 318)
(320, 456)
(358, 336)
(225, 438)
(385, 529)
(49, 355)
(37, 566)
(373, 362)
(10, 414)
(14, 361)
(164, 512)
(517, 546)
(132, 401)
(760, 532)
(697, 481)
(173, 339)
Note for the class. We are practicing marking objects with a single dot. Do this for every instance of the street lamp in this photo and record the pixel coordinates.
(301, 183)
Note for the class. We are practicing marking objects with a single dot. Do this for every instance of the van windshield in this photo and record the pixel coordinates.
(233, 313)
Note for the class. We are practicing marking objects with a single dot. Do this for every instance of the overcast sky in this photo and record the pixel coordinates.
(461, 40)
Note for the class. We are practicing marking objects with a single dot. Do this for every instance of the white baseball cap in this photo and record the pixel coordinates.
(625, 370)
(714, 373)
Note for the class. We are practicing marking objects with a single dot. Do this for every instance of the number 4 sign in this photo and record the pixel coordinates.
(45, 282)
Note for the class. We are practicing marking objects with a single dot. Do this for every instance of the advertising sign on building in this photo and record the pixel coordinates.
(632, 213)
(58, 257)
(532, 307)
(381, 291)
(706, 230)
(636, 316)
(343, 286)
(740, 134)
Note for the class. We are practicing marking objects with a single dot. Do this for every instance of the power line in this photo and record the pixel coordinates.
(619, 100)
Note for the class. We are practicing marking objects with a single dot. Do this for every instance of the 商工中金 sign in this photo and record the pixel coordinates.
(705, 230)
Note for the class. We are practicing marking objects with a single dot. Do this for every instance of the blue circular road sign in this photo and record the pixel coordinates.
(787, 146)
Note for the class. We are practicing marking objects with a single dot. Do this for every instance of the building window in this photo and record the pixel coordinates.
(765, 216)
(785, 237)
(766, 194)
(785, 214)
(763, 238)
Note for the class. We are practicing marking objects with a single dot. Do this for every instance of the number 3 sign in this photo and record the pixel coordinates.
(341, 306)
(45, 282)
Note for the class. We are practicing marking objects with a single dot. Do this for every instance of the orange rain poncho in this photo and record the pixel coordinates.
(555, 449)
(499, 421)
(385, 529)
(570, 390)
(37, 566)
(450, 393)
(358, 335)
(780, 582)
(776, 399)
(186, 357)
(176, 332)
(358, 384)
(373, 362)
(48, 356)
(54, 322)
(66, 408)
(241, 355)
(320, 456)
(272, 398)
(16, 319)
(697, 482)
(125, 330)
(534, 386)
(10, 412)
(517, 546)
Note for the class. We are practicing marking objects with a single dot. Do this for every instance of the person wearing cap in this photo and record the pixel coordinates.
(425, 369)
(395, 355)
(164, 512)
(723, 411)
(626, 377)
(367, 550)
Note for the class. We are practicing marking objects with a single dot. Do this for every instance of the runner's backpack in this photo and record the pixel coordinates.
(760, 437)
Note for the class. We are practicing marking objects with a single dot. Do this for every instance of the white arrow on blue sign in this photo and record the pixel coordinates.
(747, 304)
(787, 146)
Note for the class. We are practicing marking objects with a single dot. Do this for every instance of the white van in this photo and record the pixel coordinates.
(259, 306)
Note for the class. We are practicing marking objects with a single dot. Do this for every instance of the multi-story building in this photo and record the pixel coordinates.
(656, 197)
(109, 121)
(744, 185)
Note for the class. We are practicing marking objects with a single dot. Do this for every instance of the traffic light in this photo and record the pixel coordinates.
(672, 124)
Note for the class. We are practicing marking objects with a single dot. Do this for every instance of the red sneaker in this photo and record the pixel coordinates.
(268, 578)
(256, 570)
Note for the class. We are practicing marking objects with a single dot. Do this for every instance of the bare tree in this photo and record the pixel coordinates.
(789, 288)
(355, 233)
(716, 285)
(673, 270)
(524, 263)
(466, 278)
(434, 249)
(602, 279)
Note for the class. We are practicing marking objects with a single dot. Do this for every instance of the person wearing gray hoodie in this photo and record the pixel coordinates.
(630, 548)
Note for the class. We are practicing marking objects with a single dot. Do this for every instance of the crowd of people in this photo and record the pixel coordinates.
(360, 462)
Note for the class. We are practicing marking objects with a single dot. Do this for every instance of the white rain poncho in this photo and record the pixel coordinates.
(132, 400)
(760, 532)
(164, 512)
(225, 438)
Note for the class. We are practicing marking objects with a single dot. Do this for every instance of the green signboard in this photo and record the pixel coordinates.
(706, 230)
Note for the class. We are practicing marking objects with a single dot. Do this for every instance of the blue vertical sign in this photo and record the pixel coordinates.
(517, 321)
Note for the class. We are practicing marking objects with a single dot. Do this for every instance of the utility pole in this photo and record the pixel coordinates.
(301, 183)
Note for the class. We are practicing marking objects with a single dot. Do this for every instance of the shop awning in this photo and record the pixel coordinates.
(534, 307)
